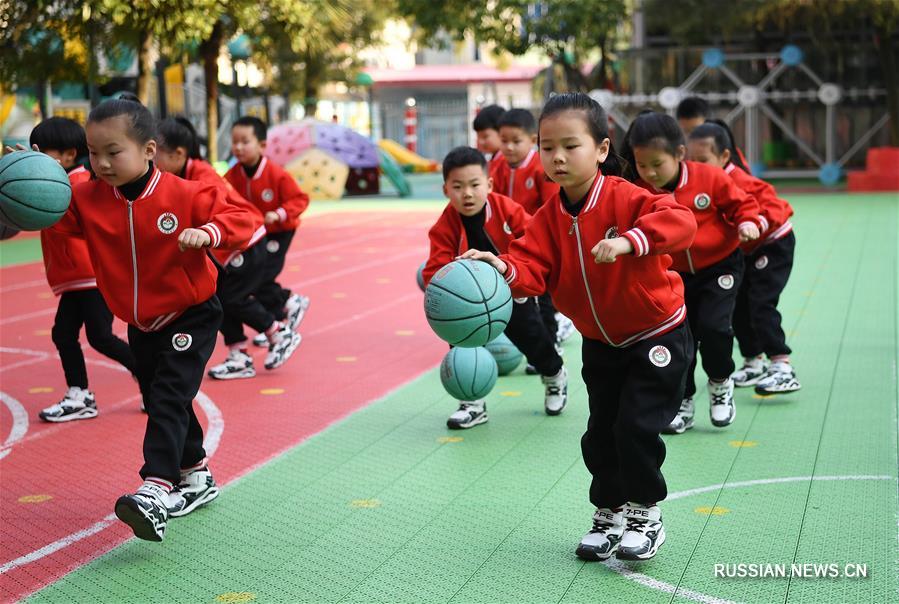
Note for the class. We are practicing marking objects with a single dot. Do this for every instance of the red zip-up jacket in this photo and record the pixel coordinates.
(527, 183)
(632, 299)
(504, 221)
(144, 277)
(271, 189)
(197, 169)
(67, 261)
(774, 214)
(720, 208)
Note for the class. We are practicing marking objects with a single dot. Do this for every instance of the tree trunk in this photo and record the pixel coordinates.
(144, 67)
(209, 50)
(891, 81)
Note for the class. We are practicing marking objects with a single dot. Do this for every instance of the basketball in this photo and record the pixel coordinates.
(34, 191)
(468, 374)
(507, 356)
(7, 232)
(419, 277)
(468, 303)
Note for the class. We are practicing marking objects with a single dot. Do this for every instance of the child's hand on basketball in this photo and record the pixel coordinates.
(19, 147)
(608, 250)
(193, 239)
(488, 257)
(749, 232)
(272, 217)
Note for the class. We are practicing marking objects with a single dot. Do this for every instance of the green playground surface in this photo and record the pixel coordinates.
(390, 506)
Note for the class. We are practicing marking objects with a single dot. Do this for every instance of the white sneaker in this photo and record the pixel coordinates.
(556, 392)
(295, 308)
(780, 379)
(565, 329)
(644, 533)
(751, 372)
(238, 365)
(683, 421)
(260, 340)
(78, 403)
(604, 537)
(468, 415)
(145, 512)
(283, 343)
(721, 403)
(196, 489)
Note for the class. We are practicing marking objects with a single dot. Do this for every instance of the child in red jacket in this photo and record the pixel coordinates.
(477, 218)
(275, 192)
(712, 266)
(71, 277)
(178, 151)
(768, 263)
(486, 132)
(147, 231)
(601, 248)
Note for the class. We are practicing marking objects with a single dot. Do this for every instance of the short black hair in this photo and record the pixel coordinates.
(59, 134)
(461, 157)
(141, 125)
(174, 132)
(693, 107)
(518, 118)
(487, 118)
(260, 129)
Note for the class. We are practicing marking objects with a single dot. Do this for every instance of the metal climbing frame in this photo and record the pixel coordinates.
(752, 100)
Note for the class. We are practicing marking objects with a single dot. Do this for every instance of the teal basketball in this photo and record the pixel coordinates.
(7, 232)
(507, 356)
(468, 303)
(420, 277)
(468, 374)
(34, 191)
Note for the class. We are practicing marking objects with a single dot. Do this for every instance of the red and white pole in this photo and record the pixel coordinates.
(410, 121)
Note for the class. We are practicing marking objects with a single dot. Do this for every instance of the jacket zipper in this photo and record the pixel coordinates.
(580, 252)
(511, 183)
(133, 256)
(690, 262)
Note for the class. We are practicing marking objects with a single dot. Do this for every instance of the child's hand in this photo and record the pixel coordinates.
(749, 232)
(609, 249)
(272, 217)
(488, 257)
(19, 147)
(193, 239)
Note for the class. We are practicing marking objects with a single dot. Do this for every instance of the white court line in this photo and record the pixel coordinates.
(26, 316)
(647, 581)
(23, 285)
(19, 423)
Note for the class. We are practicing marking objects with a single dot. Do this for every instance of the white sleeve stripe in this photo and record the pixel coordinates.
(282, 214)
(214, 232)
(745, 223)
(643, 240)
(763, 222)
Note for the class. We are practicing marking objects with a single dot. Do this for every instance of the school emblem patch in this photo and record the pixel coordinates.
(529, 183)
(272, 246)
(181, 341)
(268, 195)
(761, 262)
(726, 281)
(702, 201)
(167, 223)
(237, 262)
(507, 229)
(660, 356)
(612, 232)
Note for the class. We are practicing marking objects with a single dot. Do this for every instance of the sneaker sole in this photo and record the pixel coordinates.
(287, 354)
(207, 497)
(687, 426)
(761, 392)
(557, 411)
(128, 512)
(247, 373)
(623, 554)
(590, 555)
(472, 424)
(83, 414)
(724, 424)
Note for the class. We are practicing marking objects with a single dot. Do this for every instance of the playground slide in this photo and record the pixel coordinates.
(407, 158)
(394, 173)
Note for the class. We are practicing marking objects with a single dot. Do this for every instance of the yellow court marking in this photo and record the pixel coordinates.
(42, 332)
(510, 393)
(382, 280)
(45, 295)
(365, 503)
(762, 396)
(293, 268)
(234, 597)
(405, 332)
(450, 439)
(40, 390)
(739, 444)
(714, 511)
(338, 295)
(346, 359)
(35, 498)
(272, 391)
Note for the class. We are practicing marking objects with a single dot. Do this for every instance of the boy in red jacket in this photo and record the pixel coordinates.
(477, 218)
(487, 132)
(275, 192)
(148, 232)
(71, 277)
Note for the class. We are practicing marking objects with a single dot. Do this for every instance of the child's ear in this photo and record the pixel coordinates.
(150, 150)
(534, 138)
(602, 151)
(725, 156)
(262, 145)
(680, 153)
(445, 189)
(69, 156)
(489, 185)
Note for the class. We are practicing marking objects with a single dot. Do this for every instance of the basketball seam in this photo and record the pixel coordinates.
(483, 297)
(438, 286)
(14, 161)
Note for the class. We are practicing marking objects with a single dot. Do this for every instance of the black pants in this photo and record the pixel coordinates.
(529, 334)
(236, 289)
(86, 307)
(548, 315)
(634, 393)
(711, 295)
(170, 367)
(756, 319)
(270, 293)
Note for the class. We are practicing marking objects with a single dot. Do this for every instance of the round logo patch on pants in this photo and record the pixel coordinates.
(761, 262)
(660, 356)
(181, 341)
(272, 246)
(237, 262)
(726, 281)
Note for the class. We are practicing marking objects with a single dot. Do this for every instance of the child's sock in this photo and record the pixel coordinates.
(781, 358)
(200, 465)
(152, 483)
